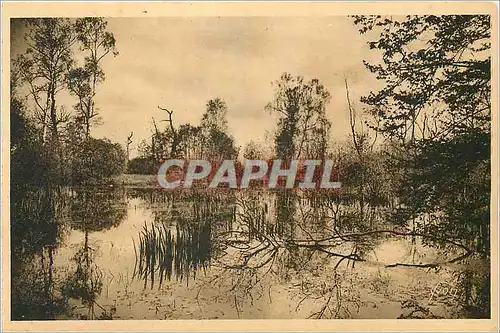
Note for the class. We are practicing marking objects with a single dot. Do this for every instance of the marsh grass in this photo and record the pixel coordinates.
(164, 253)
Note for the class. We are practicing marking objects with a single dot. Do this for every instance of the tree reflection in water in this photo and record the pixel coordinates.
(244, 243)
(39, 219)
(311, 241)
(284, 235)
(92, 210)
(36, 231)
(261, 237)
(180, 241)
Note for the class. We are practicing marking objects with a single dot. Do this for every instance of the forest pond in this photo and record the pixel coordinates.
(396, 109)
(147, 253)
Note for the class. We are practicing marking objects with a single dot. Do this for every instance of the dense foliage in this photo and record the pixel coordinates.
(435, 108)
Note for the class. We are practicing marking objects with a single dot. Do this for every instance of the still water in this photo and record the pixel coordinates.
(146, 253)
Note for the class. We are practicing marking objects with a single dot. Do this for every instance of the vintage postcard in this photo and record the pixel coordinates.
(249, 166)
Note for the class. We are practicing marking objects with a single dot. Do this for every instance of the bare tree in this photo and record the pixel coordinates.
(129, 142)
(173, 132)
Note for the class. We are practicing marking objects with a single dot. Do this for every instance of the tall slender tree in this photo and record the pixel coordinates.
(43, 68)
(97, 43)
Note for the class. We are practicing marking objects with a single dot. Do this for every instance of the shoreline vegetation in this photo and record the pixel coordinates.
(136, 180)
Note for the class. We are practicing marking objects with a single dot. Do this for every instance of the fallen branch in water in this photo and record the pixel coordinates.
(372, 232)
(319, 248)
(433, 265)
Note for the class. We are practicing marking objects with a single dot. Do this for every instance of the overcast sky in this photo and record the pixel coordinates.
(180, 63)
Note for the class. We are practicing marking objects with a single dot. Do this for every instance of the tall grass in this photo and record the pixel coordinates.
(163, 253)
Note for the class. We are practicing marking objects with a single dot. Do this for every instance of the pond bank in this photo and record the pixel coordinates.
(136, 180)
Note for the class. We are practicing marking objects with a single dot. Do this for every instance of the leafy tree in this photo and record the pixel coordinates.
(43, 68)
(215, 116)
(436, 101)
(141, 166)
(99, 159)
(301, 107)
(28, 161)
(436, 71)
(460, 203)
(218, 143)
(253, 151)
(221, 146)
(191, 141)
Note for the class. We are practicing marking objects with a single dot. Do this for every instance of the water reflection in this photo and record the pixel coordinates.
(40, 220)
(97, 208)
(92, 210)
(105, 253)
(179, 254)
(36, 231)
(85, 282)
(179, 241)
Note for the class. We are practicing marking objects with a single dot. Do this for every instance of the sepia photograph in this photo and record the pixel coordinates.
(162, 166)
